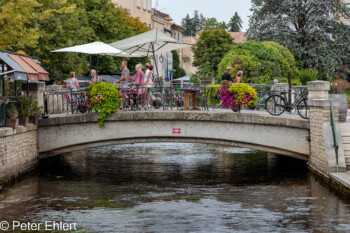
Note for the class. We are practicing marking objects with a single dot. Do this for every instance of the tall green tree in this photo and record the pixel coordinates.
(196, 21)
(178, 71)
(74, 22)
(311, 29)
(235, 24)
(110, 24)
(66, 25)
(213, 24)
(203, 22)
(187, 23)
(15, 20)
(212, 47)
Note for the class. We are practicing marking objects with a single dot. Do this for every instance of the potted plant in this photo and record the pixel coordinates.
(238, 95)
(35, 113)
(24, 110)
(12, 117)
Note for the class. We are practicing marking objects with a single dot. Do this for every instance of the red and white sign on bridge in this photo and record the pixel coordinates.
(176, 130)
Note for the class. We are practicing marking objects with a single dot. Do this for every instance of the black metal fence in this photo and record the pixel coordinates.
(172, 97)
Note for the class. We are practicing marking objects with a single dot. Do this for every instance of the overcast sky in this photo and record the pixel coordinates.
(223, 10)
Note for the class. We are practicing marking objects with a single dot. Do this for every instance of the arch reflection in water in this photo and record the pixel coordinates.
(176, 188)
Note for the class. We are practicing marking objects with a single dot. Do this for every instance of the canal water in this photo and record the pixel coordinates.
(176, 188)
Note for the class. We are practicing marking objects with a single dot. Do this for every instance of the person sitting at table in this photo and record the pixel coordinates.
(94, 77)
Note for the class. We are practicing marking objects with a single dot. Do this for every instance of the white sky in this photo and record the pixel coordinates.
(223, 10)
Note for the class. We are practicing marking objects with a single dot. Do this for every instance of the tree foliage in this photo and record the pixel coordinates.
(211, 48)
(213, 24)
(178, 71)
(235, 24)
(260, 62)
(15, 18)
(39, 26)
(311, 29)
(199, 23)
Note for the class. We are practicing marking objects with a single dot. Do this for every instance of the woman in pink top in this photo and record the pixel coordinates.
(139, 80)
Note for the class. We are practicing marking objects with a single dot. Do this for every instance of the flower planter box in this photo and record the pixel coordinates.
(34, 120)
(24, 121)
(12, 123)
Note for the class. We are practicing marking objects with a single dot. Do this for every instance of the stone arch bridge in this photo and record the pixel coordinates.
(282, 135)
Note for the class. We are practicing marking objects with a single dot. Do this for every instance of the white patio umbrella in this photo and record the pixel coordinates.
(95, 48)
(148, 43)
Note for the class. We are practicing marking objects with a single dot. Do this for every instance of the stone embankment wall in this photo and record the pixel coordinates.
(18, 151)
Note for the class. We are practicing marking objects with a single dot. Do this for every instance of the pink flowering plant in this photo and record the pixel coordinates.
(238, 95)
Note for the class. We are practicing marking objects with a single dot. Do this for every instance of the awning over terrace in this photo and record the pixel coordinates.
(43, 74)
(20, 74)
(23, 68)
(33, 75)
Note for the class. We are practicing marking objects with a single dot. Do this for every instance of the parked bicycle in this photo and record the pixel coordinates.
(276, 104)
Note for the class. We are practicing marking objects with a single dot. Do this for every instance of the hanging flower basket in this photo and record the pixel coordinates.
(238, 95)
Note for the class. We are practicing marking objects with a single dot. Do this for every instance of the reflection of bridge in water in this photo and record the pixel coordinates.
(285, 135)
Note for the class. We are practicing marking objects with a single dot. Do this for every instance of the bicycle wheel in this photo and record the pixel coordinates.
(159, 95)
(275, 105)
(303, 109)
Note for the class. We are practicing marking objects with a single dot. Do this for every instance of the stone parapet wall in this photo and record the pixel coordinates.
(18, 151)
(322, 153)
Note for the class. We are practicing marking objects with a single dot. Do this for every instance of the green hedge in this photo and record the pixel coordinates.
(252, 54)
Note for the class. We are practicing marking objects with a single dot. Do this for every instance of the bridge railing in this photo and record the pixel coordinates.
(161, 97)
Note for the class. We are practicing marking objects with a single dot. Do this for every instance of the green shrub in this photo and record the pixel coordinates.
(307, 75)
(273, 59)
(179, 73)
(103, 98)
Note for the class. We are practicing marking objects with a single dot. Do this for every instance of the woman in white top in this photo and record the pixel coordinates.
(148, 76)
(147, 72)
(149, 84)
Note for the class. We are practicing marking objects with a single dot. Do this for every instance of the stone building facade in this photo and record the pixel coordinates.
(138, 8)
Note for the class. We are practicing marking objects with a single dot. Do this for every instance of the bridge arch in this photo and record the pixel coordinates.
(281, 135)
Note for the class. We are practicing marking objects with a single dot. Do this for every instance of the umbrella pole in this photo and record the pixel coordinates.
(155, 62)
(97, 65)
(90, 62)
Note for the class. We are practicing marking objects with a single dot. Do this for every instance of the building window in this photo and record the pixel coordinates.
(139, 3)
(149, 5)
(145, 5)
